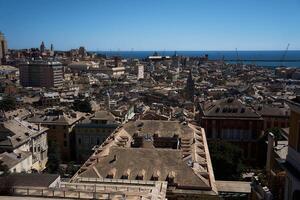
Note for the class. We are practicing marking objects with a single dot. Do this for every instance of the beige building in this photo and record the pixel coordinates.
(156, 150)
(17, 161)
(93, 132)
(82, 66)
(110, 70)
(20, 137)
(60, 124)
(41, 73)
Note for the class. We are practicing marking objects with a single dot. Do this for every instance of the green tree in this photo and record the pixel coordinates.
(71, 169)
(8, 103)
(82, 106)
(54, 159)
(3, 169)
(227, 160)
(276, 131)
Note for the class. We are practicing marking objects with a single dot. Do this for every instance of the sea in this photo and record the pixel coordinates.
(278, 58)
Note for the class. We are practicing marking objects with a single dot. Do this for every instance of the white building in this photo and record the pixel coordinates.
(17, 161)
(21, 137)
(140, 71)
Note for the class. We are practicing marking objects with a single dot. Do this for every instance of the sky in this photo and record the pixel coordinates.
(152, 24)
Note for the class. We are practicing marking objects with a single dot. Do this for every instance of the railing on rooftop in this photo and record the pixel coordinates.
(66, 193)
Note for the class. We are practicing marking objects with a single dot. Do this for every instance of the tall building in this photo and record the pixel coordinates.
(82, 51)
(3, 47)
(190, 87)
(42, 47)
(292, 164)
(51, 50)
(41, 74)
(140, 71)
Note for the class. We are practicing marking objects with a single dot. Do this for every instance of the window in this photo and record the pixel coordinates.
(98, 141)
(79, 140)
(65, 144)
(65, 135)
(87, 140)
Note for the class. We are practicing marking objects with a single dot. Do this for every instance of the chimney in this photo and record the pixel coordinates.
(271, 139)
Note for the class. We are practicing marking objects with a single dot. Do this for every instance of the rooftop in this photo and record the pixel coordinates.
(229, 108)
(104, 115)
(158, 127)
(16, 132)
(13, 158)
(33, 180)
(59, 117)
(187, 167)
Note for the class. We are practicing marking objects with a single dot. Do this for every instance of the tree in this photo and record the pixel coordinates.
(82, 106)
(54, 159)
(71, 169)
(8, 103)
(276, 131)
(227, 160)
(3, 169)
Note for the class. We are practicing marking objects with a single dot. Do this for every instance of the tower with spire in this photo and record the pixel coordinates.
(51, 50)
(42, 47)
(3, 48)
(190, 87)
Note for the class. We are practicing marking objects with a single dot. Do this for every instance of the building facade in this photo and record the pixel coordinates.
(3, 48)
(292, 164)
(61, 125)
(93, 132)
(274, 116)
(18, 136)
(41, 74)
(17, 162)
(232, 121)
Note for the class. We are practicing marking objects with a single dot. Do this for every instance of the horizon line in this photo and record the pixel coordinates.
(126, 50)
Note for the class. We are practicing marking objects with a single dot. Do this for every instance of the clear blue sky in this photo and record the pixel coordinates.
(152, 24)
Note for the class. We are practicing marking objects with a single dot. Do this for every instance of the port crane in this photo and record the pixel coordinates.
(238, 60)
(284, 54)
